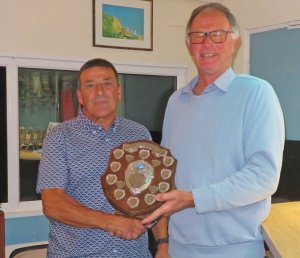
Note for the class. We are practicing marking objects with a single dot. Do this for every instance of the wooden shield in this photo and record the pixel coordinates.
(137, 171)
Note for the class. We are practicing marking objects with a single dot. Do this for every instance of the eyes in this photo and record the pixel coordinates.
(106, 84)
(217, 36)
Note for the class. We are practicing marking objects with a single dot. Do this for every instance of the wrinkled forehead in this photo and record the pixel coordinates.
(99, 74)
(210, 19)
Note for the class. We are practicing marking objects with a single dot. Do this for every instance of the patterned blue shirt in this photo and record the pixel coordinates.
(75, 155)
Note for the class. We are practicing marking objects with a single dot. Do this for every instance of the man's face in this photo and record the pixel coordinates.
(212, 59)
(99, 94)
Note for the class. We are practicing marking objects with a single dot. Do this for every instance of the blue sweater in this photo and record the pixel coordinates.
(229, 143)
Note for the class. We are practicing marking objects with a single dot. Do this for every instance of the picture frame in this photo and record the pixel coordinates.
(124, 24)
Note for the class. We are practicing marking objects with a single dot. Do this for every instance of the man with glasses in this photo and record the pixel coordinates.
(227, 132)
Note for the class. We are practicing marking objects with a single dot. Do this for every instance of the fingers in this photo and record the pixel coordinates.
(162, 197)
(126, 235)
(161, 211)
(152, 217)
(128, 228)
(150, 226)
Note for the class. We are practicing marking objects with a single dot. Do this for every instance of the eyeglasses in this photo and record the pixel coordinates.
(216, 36)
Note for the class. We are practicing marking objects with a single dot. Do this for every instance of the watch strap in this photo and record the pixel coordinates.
(162, 240)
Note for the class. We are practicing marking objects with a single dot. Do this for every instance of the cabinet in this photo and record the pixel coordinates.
(45, 96)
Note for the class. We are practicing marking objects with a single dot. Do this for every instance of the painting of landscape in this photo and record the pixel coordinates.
(124, 24)
(121, 22)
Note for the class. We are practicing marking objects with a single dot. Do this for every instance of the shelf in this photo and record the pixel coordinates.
(30, 155)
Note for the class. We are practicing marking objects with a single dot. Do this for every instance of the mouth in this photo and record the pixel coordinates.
(101, 100)
(101, 103)
(208, 55)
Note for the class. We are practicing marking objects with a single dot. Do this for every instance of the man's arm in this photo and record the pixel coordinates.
(59, 206)
(160, 231)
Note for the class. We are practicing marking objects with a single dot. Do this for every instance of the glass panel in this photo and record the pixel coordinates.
(3, 137)
(49, 96)
(45, 96)
(145, 99)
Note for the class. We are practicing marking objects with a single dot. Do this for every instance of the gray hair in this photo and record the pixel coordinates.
(214, 6)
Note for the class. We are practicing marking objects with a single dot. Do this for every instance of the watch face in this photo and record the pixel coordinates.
(137, 171)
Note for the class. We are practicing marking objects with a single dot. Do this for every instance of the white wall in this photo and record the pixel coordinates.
(63, 29)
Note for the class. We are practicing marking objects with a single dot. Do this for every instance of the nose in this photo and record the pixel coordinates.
(99, 89)
(207, 40)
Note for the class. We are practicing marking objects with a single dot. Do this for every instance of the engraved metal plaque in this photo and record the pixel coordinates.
(135, 173)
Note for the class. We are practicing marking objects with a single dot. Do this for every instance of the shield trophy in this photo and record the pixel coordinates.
(137, 171)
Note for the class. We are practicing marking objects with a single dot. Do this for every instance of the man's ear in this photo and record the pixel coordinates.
(188, 45)
(237, 45)
(79, 97)
(119, 92)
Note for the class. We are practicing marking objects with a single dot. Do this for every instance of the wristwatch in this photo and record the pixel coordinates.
(162, 240)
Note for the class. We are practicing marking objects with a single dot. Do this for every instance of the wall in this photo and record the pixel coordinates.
(63, 29)
(259, 13)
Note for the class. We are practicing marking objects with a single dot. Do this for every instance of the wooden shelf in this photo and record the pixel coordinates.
(30, 155)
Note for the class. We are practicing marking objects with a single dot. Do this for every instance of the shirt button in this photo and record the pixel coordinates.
(94, 132)
(115, 251)
(107, 139)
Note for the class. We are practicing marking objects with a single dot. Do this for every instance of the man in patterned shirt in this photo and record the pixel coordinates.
(75, 155)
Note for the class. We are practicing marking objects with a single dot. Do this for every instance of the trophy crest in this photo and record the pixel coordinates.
(135, 173)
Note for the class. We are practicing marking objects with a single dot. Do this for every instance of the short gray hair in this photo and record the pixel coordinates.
(214, 6)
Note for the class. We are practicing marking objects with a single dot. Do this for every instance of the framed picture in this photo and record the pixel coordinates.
(124, 24)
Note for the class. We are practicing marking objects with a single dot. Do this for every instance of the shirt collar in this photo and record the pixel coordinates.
(92, 126)
(222, 82)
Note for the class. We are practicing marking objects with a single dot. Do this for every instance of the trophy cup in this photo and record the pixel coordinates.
(136, 172)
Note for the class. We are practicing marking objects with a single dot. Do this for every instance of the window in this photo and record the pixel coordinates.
(145, 99)
(281, 70)
(45, 96)
(38, 89)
